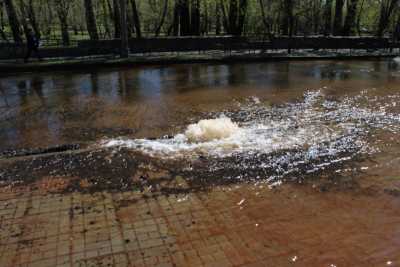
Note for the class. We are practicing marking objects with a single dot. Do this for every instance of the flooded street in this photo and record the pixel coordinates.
(262, 164)
(51, 109)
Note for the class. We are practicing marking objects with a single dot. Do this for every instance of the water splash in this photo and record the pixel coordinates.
(397, 60)
(258, 142)
(260, 129)
(209, 130)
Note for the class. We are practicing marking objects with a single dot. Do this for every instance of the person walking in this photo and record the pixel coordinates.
(32, 45)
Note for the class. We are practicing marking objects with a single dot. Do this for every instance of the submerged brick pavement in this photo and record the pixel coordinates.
(228, 226)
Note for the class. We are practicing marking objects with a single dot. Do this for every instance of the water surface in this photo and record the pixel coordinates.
(52, 108)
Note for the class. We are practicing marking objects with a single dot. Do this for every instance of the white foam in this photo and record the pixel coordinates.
(208, 130)
(222, 137)
(397, 60)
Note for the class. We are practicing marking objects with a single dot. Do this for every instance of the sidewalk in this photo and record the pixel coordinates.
(12, 66)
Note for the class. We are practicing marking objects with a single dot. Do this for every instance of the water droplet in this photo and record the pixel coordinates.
(241, 202)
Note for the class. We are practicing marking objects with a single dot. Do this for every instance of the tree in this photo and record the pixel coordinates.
(195, 18)
(233, 16)
(184, 19)
(266, 17)
(217, 18)
(2, 23)
(28, 16)
(124, 30)
(106, 14)
(102, 18)
(13, 21)
(91, 24)
(360, 13)
(350, 19)
(30, 9)
(176, 18)
(164, 14)
(24, 20)
(115, 10)
(63, 7)
(242, 16)
(328, 17)
(337, 24)
(386, 11)
(235, 19)
(47, 19)
(136, 20)
(287, 19)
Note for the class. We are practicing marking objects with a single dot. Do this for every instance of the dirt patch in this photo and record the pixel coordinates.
(119, 170)
(53, 184)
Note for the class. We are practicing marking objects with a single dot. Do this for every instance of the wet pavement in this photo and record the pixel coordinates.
(228, 226)
(101, 168)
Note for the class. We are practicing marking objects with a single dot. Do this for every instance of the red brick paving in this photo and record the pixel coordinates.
(288, 226)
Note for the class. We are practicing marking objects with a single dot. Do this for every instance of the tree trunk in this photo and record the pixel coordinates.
(28, 13)
(176, 23)
(164, 14)
(233, 17)
(266, 19)
(217, 19)
(136, 19)
(195, 18)
(263, 16)
(106, 14)
(124, 53)
(91, 20)
(117, 19)
(48, 20)
(225, 21)
(337, 24)
(350, 19)
(387, 8)
(64, 31)
(2, 16)
(396, 34)
(317, 8)
(206, 24)
(24, 22)
(62, 8)
(13, 21)
(328, 17)
(3, 35)
(287, 21)
(242, 16)
(130, 26)
(32, 18)
(358, 26)
(184, 17)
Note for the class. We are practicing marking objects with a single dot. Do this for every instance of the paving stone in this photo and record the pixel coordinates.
(87, 230)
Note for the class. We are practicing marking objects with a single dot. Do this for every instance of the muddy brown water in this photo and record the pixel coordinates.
(51, 109)
(347, 215)
(67, 107)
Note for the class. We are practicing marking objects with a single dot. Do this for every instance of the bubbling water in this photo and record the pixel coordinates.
(258, 142)
(315, 128)
(397, 60)
(208, 130)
